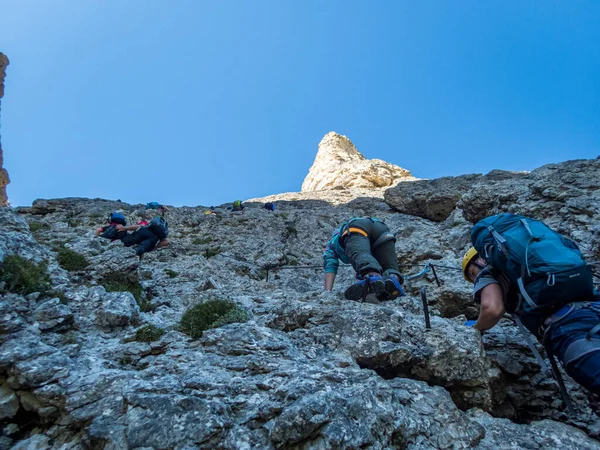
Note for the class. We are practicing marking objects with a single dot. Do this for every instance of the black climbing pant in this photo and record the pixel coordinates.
(370, 247)
(144, 238)
(580, 356)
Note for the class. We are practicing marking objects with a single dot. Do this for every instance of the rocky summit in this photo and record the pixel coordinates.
(339, 165)
(226, 340)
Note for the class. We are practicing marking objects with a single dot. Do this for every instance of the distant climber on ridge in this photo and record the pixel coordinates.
(237, 206)
(110, 231)
(368, 245)
(520, 265)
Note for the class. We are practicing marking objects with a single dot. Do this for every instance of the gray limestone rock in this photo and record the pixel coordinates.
(9, 403)
(116, 310)
(308, 369)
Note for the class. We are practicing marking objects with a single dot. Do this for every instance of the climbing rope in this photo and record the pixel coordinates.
(428, 267)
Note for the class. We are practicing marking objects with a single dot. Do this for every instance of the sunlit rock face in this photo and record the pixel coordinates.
(339, 165)
(308, 369)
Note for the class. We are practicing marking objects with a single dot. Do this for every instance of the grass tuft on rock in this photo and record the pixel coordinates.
(211, 314)
(57, 294)
(202, 241)
(71, 260)
(212, 251)
(37, 226)
(149, 333)
(24, 277)
(128, 282)
(123, 282)
(171, 273)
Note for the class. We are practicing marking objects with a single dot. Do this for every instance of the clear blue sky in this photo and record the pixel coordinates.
(202, 102)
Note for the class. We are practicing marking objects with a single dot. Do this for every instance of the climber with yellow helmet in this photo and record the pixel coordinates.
(520, 265)
(491, 299)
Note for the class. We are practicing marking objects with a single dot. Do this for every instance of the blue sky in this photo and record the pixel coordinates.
(202, 102)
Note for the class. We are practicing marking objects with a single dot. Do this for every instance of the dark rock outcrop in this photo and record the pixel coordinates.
(4, 179)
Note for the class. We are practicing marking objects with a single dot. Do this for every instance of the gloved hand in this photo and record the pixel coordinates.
(470, 323)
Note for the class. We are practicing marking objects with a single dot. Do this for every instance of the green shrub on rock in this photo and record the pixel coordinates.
(211, 314)
(171, 273)
(71, 260)
(149, 333)
(24, 277)
(37, 226)
(128, 282)
(123, 282)
(202, 241)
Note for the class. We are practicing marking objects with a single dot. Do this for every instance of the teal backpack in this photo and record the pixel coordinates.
(159, 227)
(548, 268)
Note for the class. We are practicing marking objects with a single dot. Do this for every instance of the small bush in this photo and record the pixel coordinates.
(202, 241)
(171, 273)
(24, 277)
(212, 251)
(69, 338)
(125, 360)
(149, 333)
(127, 282)
(57, 245)
(123, 282)
(291, 229)
(37, 226)
(70, 260)
(55, 294)
(74, 222)
(211, 314)
(147, 306)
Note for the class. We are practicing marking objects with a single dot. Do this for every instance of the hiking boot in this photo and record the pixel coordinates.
(393, 288)
(371, 283)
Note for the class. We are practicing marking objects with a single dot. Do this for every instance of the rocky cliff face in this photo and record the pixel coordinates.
(339, 165)
(308, 370)
(4, 179)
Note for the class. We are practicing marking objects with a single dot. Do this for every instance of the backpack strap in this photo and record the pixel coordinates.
(529, 343)
(499, 239)
(524, 222)
(592, 332)
(559, 379)
(523, 292)
(554, 367)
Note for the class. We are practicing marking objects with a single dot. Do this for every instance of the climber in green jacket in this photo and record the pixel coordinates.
(368, 245)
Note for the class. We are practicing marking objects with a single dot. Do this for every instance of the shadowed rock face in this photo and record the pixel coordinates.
(339, 165)
(309, 370)
(4, 179)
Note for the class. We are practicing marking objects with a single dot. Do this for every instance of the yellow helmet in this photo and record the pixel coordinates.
(469, 257)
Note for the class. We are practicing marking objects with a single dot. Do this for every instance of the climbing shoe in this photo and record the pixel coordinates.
(393, 288)
(371, 283)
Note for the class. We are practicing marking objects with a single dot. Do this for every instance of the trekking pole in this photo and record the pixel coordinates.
(425, 309)
(437, 280)
(559, 380)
